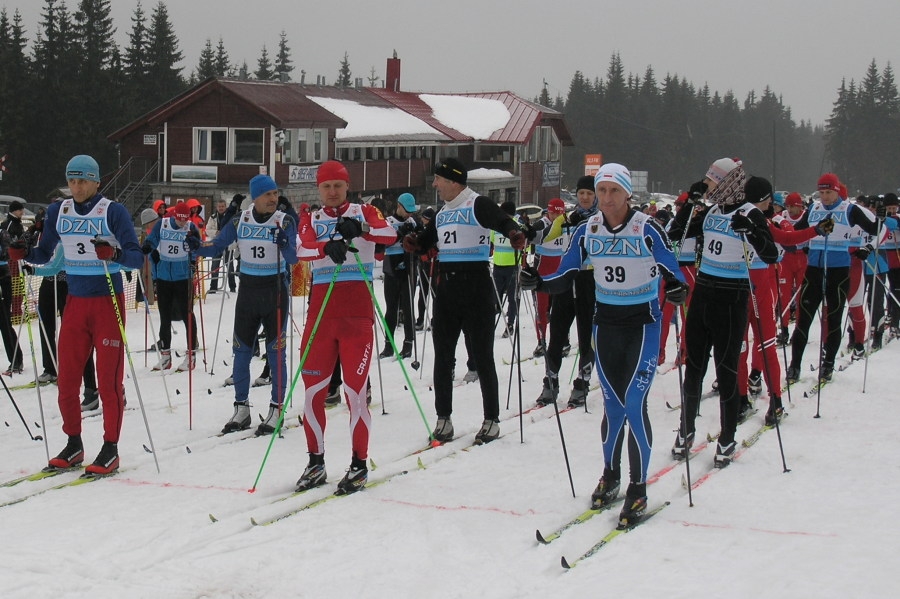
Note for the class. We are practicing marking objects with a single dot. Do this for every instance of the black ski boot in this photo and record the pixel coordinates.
(607, 489)
(635, 505)
(355, 479)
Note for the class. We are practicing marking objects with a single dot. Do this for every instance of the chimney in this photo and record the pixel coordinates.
(392, 76)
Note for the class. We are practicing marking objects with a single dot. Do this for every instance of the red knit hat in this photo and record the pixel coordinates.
(829, 181)
(182, 210)
(793, 199)
(332, 171)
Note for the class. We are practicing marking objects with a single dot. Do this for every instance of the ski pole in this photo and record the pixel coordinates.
(137, 387)
(378, 362)
(758, 333)
(147, 316)
(37, 383)
(290, 394)
(687, 449)
(872, 302)
(824, 322)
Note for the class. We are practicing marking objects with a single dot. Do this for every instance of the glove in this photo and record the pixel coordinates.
(105, 251)
(696, 192)
(517, 240)
(17, 251)
(128, 275)
(529, 279)
(676, 292)
(411, 243)
(146, 248)
(576, 217)
(881, 211)
(742, 224)
(192, 241)
(236, 201)
(863, 252)
(825, 226)
(284, 205)
(405, 229)
(530, 232)
(280, 237)
(349, 228)
(154, 255)
(28, 268)
(336, 249)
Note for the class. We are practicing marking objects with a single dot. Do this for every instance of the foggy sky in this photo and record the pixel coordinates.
(800, 49)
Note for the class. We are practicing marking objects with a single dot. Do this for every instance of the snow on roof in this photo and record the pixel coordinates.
(374, 121)
(475, 117)
(489, 173)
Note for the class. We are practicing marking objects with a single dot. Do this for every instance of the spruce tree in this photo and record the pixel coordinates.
(206, 68)
(344, 75)
(283, 62)
(223, 64)
(264, 70)
(163, 57)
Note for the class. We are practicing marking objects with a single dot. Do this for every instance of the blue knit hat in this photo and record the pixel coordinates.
(83, 167)
(260, 184)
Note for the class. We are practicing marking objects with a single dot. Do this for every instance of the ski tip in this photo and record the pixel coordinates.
(564, 563)
(213, 518)
(177, 391)
(420, 464)
(253, 521)
(372, 465)
(147, 449)
(188, 449)
(540, 538)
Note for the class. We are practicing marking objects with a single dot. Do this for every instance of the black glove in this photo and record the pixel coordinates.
(529, 279)
(349, 228)
(825, 226)
(863, 252)
(676, 292)
(284, 205)
(696, 192)
(146, 248)
(742, 224)
(128, 275)
(336, 249)
(193, 241)
(236, 201)
(280, 237)
(405, 229)
(530, 232)
(576, 217)
(881, 211)
(154, 255)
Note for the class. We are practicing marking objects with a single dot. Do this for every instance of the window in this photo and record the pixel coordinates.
(306, 145)
(248, 146)
(549, 145)
(533, 145)
(210, 145)
(485, 153)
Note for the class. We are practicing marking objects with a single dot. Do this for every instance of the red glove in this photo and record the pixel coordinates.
(517, 240)
(17, 253)
(411, 243)
(105, 251)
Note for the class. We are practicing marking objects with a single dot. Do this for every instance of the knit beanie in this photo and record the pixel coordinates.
(757, 189)
(616, 173)
(83, 167)
(720, 168)
(332, 171)
(452, 169)
(585, 182)
(829, 181)
(261, 184)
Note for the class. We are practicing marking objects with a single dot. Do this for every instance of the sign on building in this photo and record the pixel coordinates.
(551, 174)
(592, 163)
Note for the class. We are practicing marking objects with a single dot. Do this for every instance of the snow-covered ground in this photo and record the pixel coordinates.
(463, 523)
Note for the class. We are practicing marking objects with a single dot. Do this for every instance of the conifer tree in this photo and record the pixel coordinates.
(283, 62)
(344, 75)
